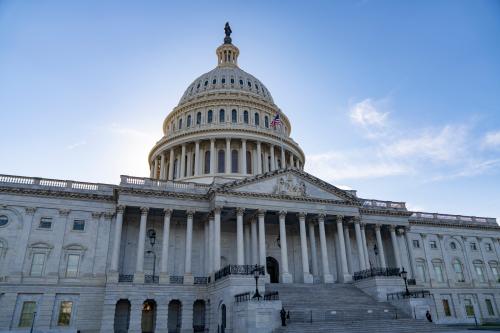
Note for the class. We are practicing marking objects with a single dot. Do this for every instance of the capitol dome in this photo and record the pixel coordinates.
(223, 129)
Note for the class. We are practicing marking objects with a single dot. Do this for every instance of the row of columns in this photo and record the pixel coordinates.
(256, 239)
(167, 168)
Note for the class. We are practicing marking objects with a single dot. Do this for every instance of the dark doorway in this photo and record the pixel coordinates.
(174, 316)
(199, 316)
(148, 320)
(273, 269)
(122, 316)
(223, 318)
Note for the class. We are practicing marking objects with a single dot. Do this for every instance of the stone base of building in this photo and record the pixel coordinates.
(379, 286)
(256, 316)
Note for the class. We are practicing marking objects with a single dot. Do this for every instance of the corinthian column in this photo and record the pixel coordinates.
(286, 277)
(344, 276)
(327, 277)
(380, 246)
(262, 238)
(228, 155)
(171, 165)
(394, 241)
(259, 158)
(240, 255)
(183, 161)
(255, 242)
(217, 211)
(139, 266)
(365, 247)
(273, 165)
(117, 238)
(188, 276)
(312, 243)
(162, 166)
(359, 243)
(303, 246)
(197, 158)
(212, 157)
(164, 246)
(244, 157)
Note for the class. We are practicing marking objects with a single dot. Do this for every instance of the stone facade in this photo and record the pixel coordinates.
(170, 252)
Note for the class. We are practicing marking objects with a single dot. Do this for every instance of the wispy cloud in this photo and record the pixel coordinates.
(76, 145)
(128, 131)
(432, 153)
(492, 140)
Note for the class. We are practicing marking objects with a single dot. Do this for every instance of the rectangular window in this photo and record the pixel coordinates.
(37, 264)
(489, 307)
(494, 269)
(480, 273)
(72, 268)
(446, 308)
(79, 225)
(416, 243)
(439, 273)
(65, 313)
(473, 246)
(45, 223)
(421, 272)
(433, 244)
(27, 312)
(489, 248)
(469, 308)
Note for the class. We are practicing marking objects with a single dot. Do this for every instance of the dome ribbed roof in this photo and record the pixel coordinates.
(222, 79)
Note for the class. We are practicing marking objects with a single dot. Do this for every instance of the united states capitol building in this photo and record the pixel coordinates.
(228, 206)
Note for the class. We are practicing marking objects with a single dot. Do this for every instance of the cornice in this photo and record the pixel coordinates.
(57, 194)
(385, 212)
(454, 225)
(162, 193)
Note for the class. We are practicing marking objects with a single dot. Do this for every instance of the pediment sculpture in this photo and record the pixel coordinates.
(289, 185)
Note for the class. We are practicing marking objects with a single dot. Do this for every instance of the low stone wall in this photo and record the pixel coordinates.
(256, 316)
(379, 286)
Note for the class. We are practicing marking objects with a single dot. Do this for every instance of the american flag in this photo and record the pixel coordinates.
(276, 121)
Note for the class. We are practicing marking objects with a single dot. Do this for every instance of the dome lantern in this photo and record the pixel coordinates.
(227, 53)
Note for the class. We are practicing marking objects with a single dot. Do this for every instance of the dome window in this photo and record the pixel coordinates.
(188, 122)
(223, 80)
(192, 87)
(241, 82)
(209, 116)
(234, 161)
(180, 123)
(266, 121)
(206, 168)
(257, 87)
(249, 84)
(206, 83)
(256, 119)
(220, 161)
(198, 118)
(234, 116)
(222, 116)
(214, 81)
(232, 80)
(245, 117)
(3, 220)
(453, 246)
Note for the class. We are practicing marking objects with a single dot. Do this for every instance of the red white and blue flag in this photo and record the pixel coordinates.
(276, 121)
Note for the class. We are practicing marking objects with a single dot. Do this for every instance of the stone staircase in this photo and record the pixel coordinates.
(343, 308)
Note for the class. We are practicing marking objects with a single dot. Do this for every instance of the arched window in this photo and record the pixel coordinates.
(180, 123)
(234, 116)
(232, 80)
(206, 83)
(221, 161)
(495, 271)
(207, 162)
(198, 118)
(188, 122)
(266, 121)
(234, 161)
(214, 81)
(479, 268)
(459, 271)
(249, 84)
(223, 80)
(453, 245)
(209, 116)
(241, 82)
(421, 271)
(249, 162)
(245, 117)
(437, 265)
(222, 116)
(256, 118)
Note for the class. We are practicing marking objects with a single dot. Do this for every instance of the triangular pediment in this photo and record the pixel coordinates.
(292, 183)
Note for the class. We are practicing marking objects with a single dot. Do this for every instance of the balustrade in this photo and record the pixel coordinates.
(376, 271)
(238, 270)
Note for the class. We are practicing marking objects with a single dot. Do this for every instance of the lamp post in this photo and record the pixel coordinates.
(404, 275)
(256, 273)
(152, 241)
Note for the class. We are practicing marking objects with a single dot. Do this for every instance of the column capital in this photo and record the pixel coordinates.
(377, 227)
(167, 212)
(64, 212)
(190, 213)
(321, 216)
(244, 140)
(144, 210)
(183, 145)
(282, 213)
(96, 215)
(108, 215)
(423, 236)
(212, 140)
(392, 228)
(357, 219)
(440, 236)
(339, 218)
(240, 211)
(120, 209)
(261, 212)
(30, 210)
(217, 209)
(362, 225)
(302, 215)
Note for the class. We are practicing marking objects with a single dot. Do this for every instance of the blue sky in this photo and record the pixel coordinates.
(396, 99)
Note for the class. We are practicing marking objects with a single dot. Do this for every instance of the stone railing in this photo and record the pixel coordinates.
(376, 271)
(176, 279)
(268, 296)
(125, 278)
(149, 183)
(383, 204)
(47, 183)
(201, 279)
(422, 216)
(409, 294)
(151, 279)
(238, 270)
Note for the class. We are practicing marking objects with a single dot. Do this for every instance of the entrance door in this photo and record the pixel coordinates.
(174, 316)
(148, 316)
(122, 316)
(273, 269)
(223, 318)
